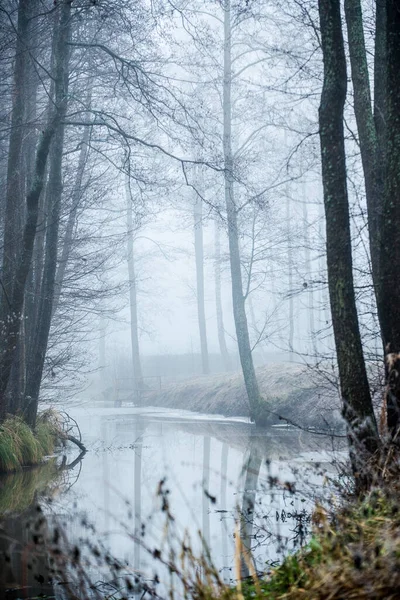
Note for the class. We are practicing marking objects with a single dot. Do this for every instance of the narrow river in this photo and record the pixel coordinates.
(153, 478)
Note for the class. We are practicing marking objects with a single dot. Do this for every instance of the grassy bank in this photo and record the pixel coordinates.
(20, 446)
(288, 389)
(354, 556)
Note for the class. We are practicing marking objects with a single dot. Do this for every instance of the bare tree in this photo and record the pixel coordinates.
(238, 298)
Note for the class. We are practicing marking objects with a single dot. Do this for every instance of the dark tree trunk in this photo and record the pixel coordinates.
(380, 107)
(12, 306)
(390, 247)
(42, 330)
(15, 167)
(366, 129)
(25, 172)
(357, 406)
(15, 187)
(54, 190)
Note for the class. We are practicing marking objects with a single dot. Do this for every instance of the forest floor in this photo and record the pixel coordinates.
(292, 394)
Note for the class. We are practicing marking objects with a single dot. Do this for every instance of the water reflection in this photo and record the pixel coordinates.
(251, 468)
(25, 569)
(214, 471)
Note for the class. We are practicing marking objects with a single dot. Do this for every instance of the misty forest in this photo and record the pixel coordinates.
(199, 299)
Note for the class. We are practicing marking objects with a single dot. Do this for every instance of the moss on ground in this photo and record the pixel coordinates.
(20, 446)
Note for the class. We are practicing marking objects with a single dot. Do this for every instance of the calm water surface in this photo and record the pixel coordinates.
(212, 469)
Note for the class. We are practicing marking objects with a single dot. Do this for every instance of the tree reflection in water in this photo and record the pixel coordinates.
(26, 569)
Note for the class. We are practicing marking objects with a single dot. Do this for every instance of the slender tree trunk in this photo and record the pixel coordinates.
(239, 312)
(199, 256)
(218, 299)
(380, 110)
(69, 231)
(39, 348)
(290, 269)
(38, 351)
(15, 168)
(15, 187)
(136, 362)
(357, 406)
(17, 382)
(390, 247)
(309, 290)
(366, 128)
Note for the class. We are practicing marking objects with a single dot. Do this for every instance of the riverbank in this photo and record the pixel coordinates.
(290, 392)
(355, 554)
(20, 446)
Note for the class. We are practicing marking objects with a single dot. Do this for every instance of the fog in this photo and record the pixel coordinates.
(191, 275)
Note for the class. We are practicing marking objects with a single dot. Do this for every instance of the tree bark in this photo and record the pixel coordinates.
(19, 152)
(357, 405)
(239, 312)
(366, 129)
(380, 109)
(218, 299)
(199, 257)
(15, 168)
(390, 247)
(11, 317)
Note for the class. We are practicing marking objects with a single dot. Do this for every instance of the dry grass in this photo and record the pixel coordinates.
(287, 389)
(355, 555)
(22, 447)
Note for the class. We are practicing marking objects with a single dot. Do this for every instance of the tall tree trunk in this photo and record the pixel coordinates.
(218, 299)
(199, 256)
(309, 289)
(15, 186)
(75, 201)
(239, 312)
(136, 362)
(290, 269)
(357, 405)
(12, 306)
(380, 109)
(14, 205)
(390, 247)
(37, 356)
(366, 128)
